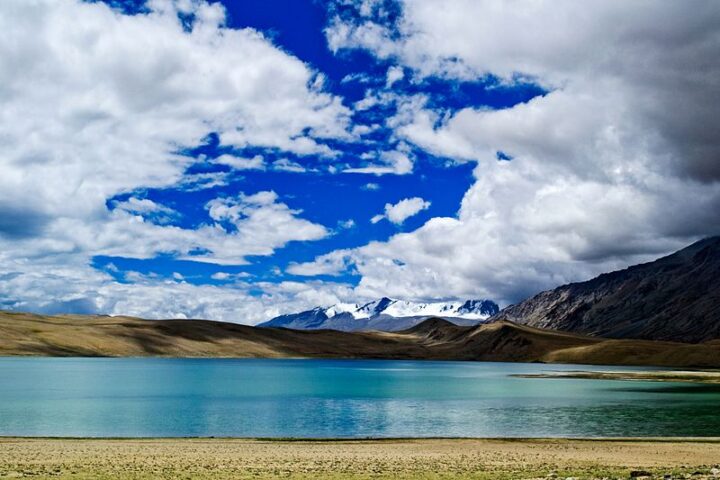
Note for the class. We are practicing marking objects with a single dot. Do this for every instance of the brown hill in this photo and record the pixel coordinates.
(675, 298)
(75, 335)
(437, 330)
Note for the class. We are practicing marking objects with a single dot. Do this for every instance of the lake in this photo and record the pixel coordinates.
(149, 397)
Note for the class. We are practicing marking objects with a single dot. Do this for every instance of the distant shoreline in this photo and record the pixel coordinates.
(685, 376)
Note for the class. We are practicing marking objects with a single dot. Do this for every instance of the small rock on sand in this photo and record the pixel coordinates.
(640, 474)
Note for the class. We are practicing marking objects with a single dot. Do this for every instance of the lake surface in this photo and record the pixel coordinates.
(140, 397)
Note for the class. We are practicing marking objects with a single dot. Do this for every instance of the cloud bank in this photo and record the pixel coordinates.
(618, 163)
(96, 103)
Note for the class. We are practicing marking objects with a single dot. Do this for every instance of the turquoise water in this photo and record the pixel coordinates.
(135, 397)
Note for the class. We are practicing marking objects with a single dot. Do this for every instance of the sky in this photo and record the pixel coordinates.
(237, 160)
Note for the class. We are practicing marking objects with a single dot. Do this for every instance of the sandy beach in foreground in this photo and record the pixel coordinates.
(426, 459)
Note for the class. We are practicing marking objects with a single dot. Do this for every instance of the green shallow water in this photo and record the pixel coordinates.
(157, 397)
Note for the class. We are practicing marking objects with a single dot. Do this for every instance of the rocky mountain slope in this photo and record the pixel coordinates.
(438, 339)
(675, 298)
(385, 314)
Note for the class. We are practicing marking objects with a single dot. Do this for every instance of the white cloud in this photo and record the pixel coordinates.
(81, 289)
(147, 208)
(357, 78)
(287, 165)
(240, 226)
(618, 164)
(226, 277)
(238, 163)
(369, 101)
(81, 123)
(95, 103)
(397, 162)
(261, 225)
(659, 57)
(331, 264)
(394, 74)
(402, 210)
(196, 182)
(360, 130)
(347, 224)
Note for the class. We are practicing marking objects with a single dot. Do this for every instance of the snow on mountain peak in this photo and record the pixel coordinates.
(385, 314)
(470, 309)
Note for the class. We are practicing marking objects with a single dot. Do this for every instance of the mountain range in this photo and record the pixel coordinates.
(665, 312)
(385, 314)
(675, 298)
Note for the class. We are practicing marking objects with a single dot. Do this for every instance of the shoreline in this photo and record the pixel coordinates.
(705, 377)
(711, 372)
(713, 439)
(443, 458)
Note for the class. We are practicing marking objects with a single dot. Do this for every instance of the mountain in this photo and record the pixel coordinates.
(385, 314)
(435, 338)
(675, 298)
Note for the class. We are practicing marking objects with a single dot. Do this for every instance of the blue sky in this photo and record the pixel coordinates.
(330, 199)
(237, 160)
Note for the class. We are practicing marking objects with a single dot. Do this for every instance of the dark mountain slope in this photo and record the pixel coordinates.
(675, 298)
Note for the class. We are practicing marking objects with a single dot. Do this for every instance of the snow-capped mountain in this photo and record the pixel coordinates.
(385, 314)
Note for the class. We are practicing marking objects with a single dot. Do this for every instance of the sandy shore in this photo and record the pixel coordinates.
(426, 459)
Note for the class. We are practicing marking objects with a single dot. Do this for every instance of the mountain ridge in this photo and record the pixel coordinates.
(674, 298)
(384, 314)
(674, 302)
(435, 339)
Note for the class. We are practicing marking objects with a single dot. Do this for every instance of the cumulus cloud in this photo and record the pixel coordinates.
(95, 103)
(347, 224)
(148, 209)
(196, 182)
(660, 56)
(239, 226)
(332, 264)
(399, 212)
(396, 162)
(287, 165)
(394, 74)
(82, 123)
(229, 277)
(261, 224)
(239, 163)
(56, 289)
(619, 163)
